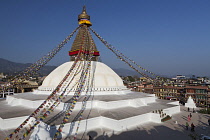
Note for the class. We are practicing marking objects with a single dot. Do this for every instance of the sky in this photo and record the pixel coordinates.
(167, 37)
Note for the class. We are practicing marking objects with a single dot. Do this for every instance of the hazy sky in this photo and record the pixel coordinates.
(164, 36)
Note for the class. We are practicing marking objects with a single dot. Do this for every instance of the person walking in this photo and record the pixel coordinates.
(190, 115)
(188, 118)
(192, 127)
(188, 109)
(209, 121)
(193, 110)
(187, 125)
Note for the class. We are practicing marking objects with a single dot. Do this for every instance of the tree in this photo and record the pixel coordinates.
(131, 79)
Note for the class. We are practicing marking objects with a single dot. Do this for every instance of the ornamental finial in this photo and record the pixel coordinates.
(84, 18)
(84, 14)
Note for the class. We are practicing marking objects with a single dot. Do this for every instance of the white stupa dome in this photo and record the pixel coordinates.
(190, 103)
(104, 78)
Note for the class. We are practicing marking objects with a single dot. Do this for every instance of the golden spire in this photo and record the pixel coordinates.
(84, 42)
(84, 18)
(83, 15)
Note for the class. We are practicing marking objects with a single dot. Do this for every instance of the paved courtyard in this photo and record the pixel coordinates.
(173, 129)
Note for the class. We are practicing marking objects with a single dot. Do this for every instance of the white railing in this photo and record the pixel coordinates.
(3, 93)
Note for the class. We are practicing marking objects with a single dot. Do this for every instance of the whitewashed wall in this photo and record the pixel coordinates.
(11, 123)
(172, 110)
(96, 123)
(90, 104)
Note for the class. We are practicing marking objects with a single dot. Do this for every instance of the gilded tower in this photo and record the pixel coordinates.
(84, 42)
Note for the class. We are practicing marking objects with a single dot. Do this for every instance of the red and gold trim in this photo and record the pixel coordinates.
(75, 52)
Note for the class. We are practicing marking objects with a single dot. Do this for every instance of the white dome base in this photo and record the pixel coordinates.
(104, 78)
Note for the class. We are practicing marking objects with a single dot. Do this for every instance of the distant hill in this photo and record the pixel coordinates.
(9, 67)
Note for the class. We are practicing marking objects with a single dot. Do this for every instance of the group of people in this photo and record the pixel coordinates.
(192, 126)
(192, 110)
(189, 119)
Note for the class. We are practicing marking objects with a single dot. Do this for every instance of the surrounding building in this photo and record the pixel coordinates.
(179, 88)
(2, 76)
